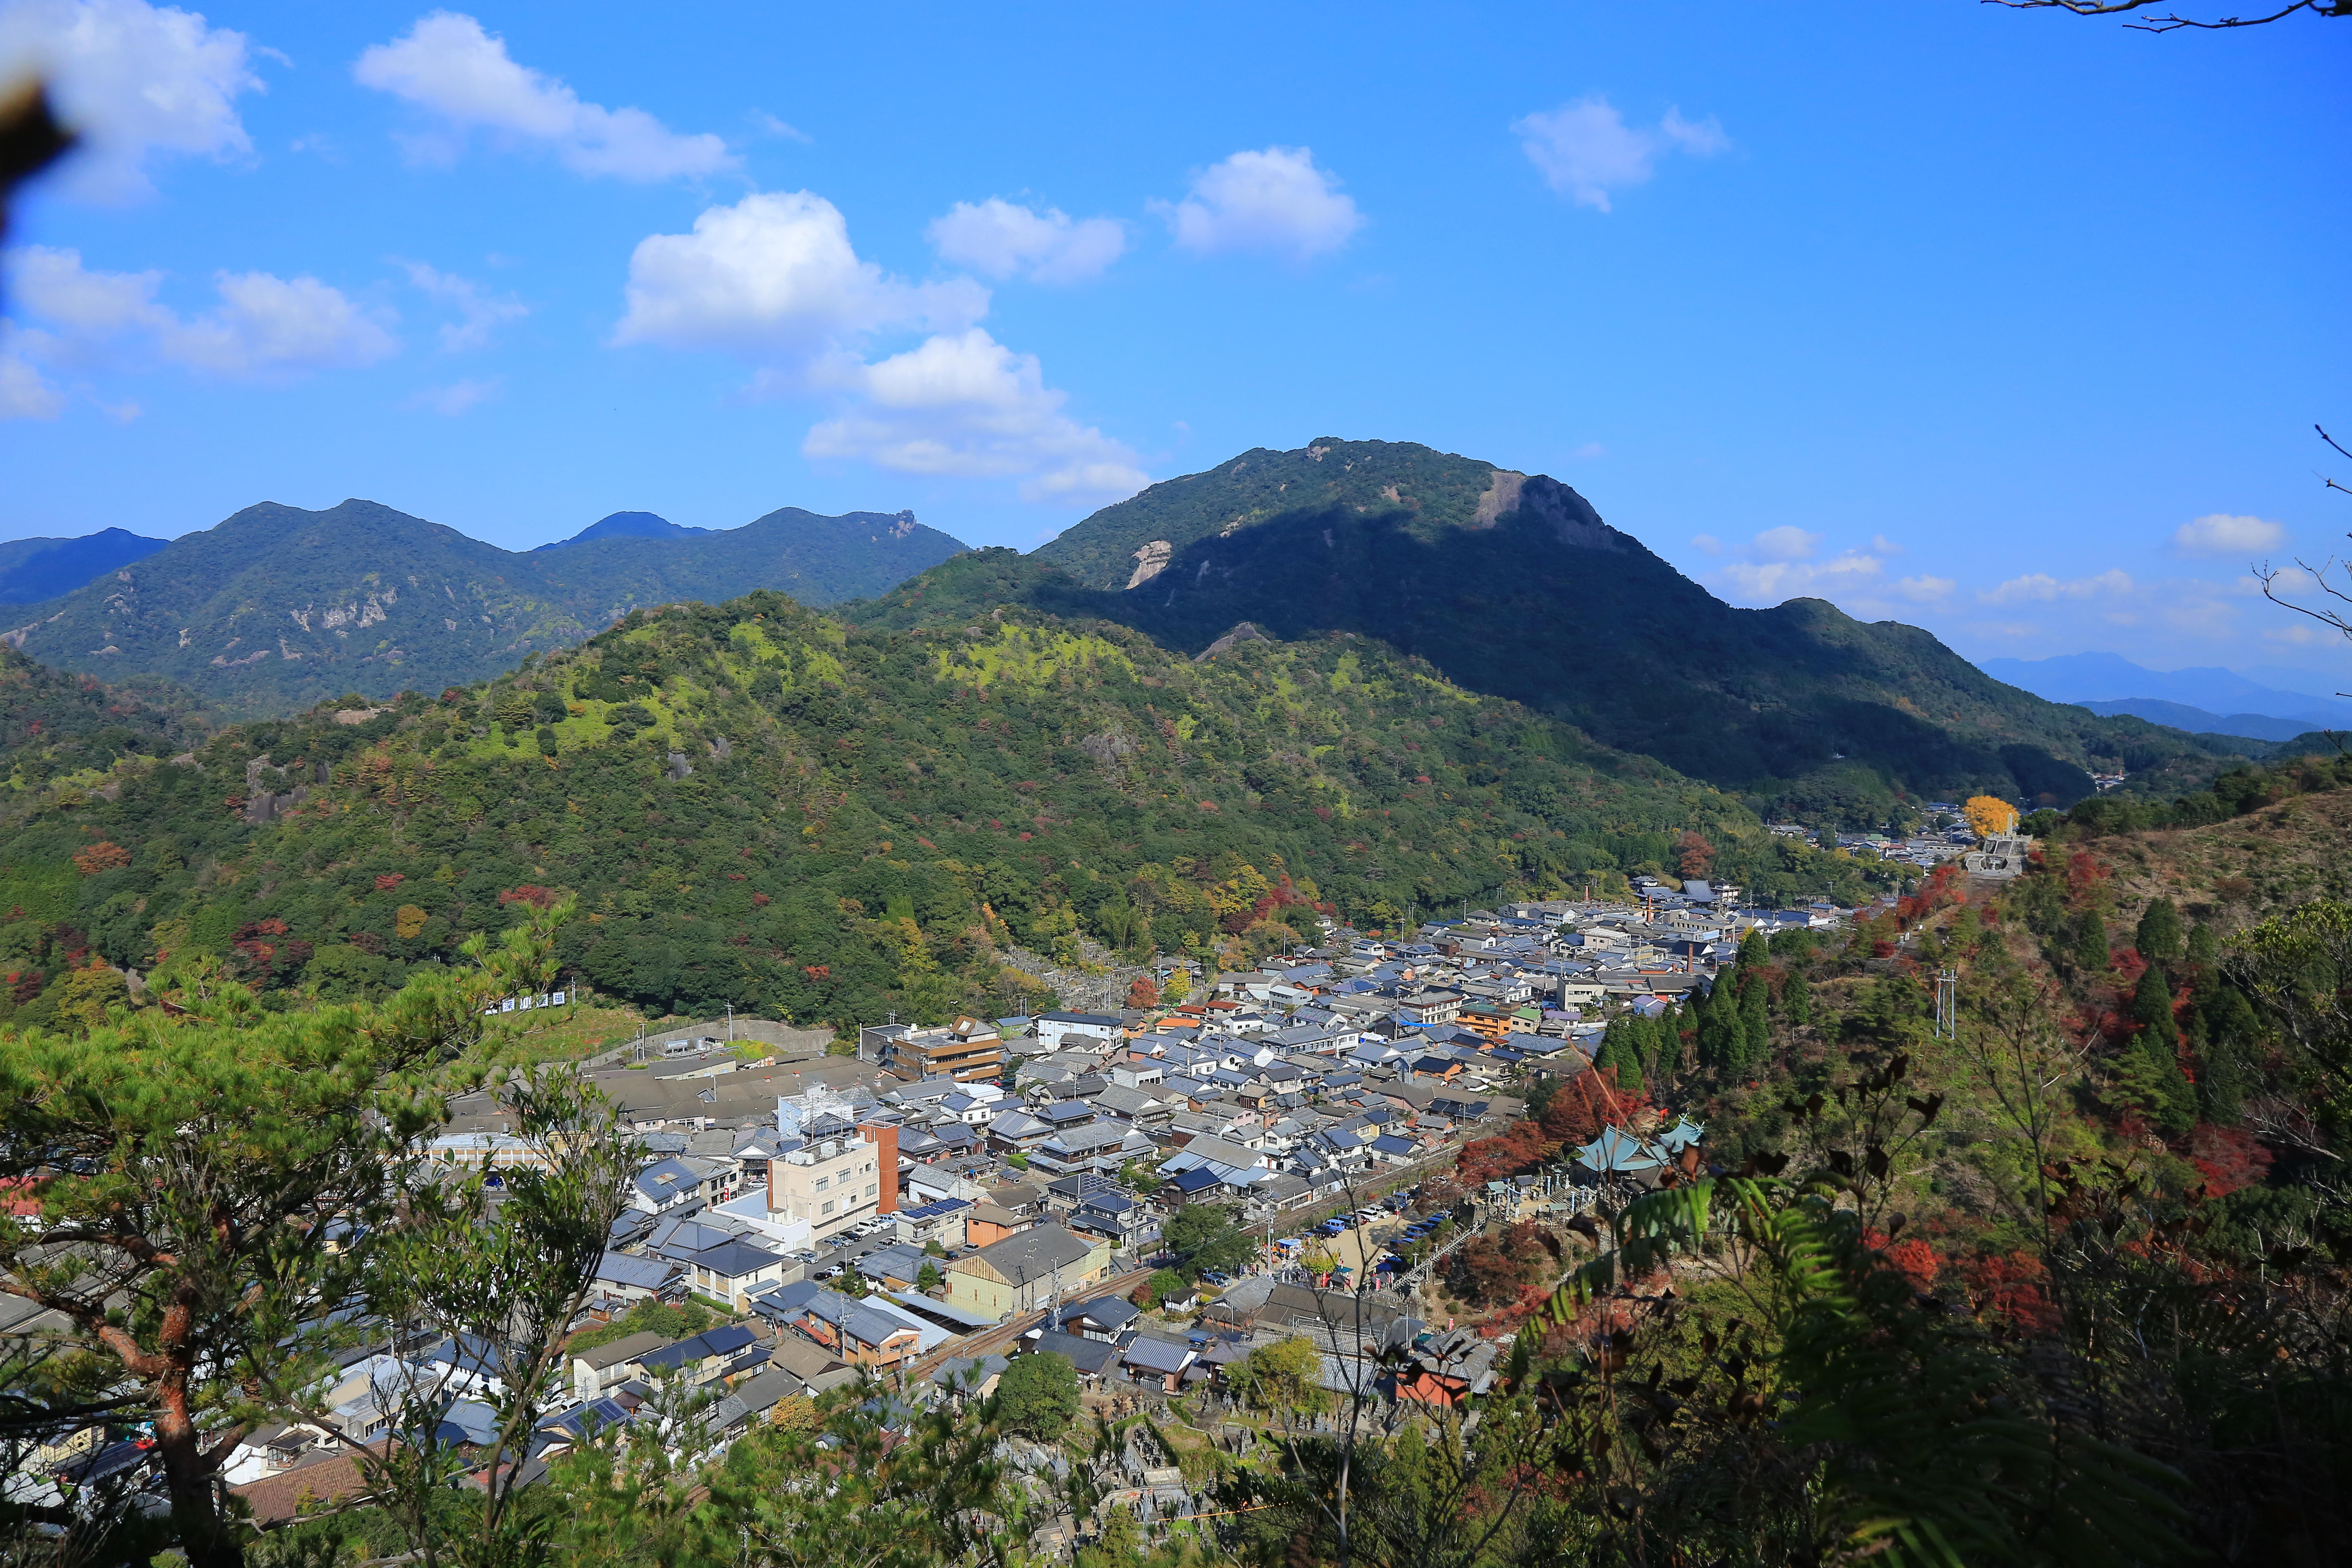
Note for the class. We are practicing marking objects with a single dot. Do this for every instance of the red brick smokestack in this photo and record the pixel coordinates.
(885, 1143)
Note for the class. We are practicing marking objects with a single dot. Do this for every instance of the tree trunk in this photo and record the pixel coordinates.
(205, 1535)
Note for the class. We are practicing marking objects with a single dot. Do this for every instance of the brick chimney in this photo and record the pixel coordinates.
(885, 1145)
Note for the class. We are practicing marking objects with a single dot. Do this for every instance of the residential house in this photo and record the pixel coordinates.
(1138, 1071)
(898, 1266)
(1064, 1029)
(703, 1359)
(611, 1366)
(1092, 1359)
(1018, 1132)
(1123, 1220)
(748, 1403)
(984, 1224)
(1096, 1146)
(1143, 1108)
(856, 1332)
(943, 1221)
(628, 1281)
(818, 1369)
(1149, 1361)
(680, 1183)
(1105, 1317)
(736, 1270)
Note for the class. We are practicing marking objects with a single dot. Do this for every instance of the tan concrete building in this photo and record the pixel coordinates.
(1022, 1272)
(835, 1176)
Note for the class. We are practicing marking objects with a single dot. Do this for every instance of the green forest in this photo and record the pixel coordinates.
(1513, 586)
(760, 805)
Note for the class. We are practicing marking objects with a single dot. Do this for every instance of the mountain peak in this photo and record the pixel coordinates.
(628, 525)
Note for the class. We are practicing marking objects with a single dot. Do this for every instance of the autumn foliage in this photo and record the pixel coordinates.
(1989, 814)
(1694, 856)
(1577, 1112)
(103, 856)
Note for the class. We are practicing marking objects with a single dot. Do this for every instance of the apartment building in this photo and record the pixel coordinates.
(966, 1051)
(835, 1174)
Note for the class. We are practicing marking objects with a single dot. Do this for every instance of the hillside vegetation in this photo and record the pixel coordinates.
(2060, 1280)
(1514, 587)
(761, 805)
(276, 608)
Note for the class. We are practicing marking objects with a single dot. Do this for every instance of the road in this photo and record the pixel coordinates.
(998, 1340)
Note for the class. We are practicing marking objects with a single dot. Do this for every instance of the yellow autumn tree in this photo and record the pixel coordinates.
(1990, 815)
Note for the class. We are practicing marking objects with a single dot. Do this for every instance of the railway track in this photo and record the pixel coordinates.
(1005, 1335)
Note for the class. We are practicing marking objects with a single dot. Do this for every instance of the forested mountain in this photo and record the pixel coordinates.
(277, 607)
(32, 570)
(2197, 722)
(763, 805)
(1514, 587)
(627, 525)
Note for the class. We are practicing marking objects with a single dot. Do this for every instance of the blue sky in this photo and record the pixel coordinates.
(2013, 325)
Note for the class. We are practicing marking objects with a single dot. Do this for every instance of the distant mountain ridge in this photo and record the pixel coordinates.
(2106, 677)
(32, 570)
(2197, 721)
(627, 525)
(1512, 584)
(277, 607)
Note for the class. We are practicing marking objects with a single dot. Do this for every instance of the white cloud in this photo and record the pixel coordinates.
(133, 79)
(2219, 533)
(1274, 200)
(774, 280)
(1786, 543)
(1926, 590)
(775, 127)
(267, 326)
(478, 313)
(264, 327)
(1585, 150)
(1000, 239)
(966, 405)
(1886, 546)
(2041, 587)
(23, 393)
(457, 397)
(447, 65)
(775, 275)
(1708, 543)
(2304, 634)
(1773, 581)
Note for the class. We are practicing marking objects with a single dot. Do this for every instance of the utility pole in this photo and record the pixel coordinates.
(1948, 986)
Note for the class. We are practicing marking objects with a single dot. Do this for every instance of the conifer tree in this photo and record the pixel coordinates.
(1618, 1050)
(2092, 954)
(2151, 1071)
(2158, 936)
(1755, 1025)
(1797, 1001)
